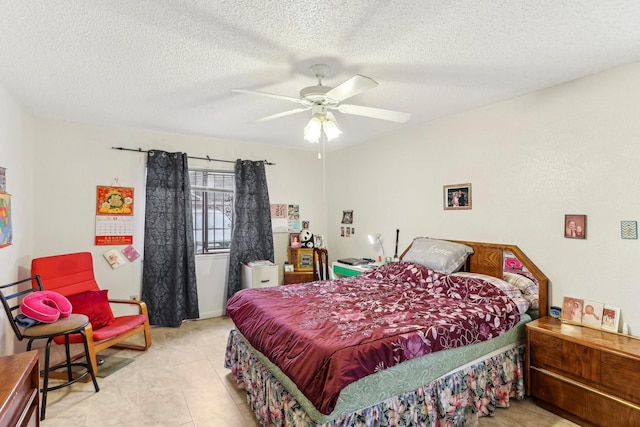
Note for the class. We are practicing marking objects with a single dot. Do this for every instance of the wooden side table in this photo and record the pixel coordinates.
(19, 390)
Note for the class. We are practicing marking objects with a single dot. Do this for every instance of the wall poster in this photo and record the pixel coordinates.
(279, 218)
(6, 231)
(114, 215)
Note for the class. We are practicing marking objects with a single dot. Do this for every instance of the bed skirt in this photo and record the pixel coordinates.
(457, 399)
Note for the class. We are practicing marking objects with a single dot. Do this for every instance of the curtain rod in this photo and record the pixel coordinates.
(140, 150)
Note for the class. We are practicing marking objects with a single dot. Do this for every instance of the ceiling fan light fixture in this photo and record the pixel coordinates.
(331, 127)
(319, 99)
(313, 129)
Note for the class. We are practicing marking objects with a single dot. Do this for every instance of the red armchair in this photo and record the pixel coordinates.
(72, 276)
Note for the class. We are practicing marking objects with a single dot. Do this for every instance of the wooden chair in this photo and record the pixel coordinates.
(72, 274)
(61, 330)
(320, 264)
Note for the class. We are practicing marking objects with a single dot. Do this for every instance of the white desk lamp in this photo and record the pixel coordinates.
(375, 238)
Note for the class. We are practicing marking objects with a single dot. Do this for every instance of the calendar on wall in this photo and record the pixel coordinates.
(114, 215)
(114, 230)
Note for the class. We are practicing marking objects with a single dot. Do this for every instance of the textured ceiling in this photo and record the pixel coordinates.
(169, 65)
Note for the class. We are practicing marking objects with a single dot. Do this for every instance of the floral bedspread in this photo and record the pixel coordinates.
(325, 335)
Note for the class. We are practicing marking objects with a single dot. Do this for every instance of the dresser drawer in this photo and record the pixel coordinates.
(621, 376)
(545, 350)
(259, 277)
(292, 277)
(560, 356)
(558, 392)
(582, 401)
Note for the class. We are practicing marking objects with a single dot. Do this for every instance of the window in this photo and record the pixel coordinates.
(212, 198)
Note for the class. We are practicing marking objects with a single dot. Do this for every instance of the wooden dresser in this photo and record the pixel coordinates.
(588, 376)
(19, 394)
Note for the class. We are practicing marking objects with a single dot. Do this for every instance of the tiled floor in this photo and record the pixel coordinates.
(181, 381)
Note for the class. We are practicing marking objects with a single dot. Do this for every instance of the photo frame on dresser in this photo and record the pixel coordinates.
(610, 318)
(590, 313)
(572, 309)
(294, 240)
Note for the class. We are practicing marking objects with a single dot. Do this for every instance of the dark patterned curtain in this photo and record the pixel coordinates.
(252, 235)
(169, 268)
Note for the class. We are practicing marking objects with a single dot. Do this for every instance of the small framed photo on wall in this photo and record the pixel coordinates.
(457, 196)
(575, 226)
(347, 217)
(629, 229)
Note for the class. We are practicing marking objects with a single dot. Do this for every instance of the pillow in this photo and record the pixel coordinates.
(526, 285)
(45, 306)
(534, 301)
(514, 294)
(511, 291)
(523, 304)
(438, 255)
(95, 305)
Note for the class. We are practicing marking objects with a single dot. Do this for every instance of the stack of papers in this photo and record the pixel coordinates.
(260, 263)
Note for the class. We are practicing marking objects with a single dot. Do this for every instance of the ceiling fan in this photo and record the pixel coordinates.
(320, 99)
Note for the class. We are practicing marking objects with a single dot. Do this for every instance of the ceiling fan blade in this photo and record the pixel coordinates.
(351, 87)
(283, 114)
(376, 113)
(270, 95)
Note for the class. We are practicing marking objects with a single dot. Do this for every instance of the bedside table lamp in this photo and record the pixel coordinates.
(375, 238)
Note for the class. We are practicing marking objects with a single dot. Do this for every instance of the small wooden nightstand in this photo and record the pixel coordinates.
(302, 260)
(586, 375)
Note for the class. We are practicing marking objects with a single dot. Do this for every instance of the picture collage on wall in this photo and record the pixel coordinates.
(590, 313)
(347, 229)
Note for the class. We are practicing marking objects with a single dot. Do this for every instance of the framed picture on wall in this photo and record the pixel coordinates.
(629, 229)
(575, 226)
(457, 196)
(347, 217)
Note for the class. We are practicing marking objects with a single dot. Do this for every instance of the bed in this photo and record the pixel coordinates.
(393, 370)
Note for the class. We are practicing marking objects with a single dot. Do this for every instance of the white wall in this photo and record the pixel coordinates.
(571, 149)
(15, 156)
(71, 160)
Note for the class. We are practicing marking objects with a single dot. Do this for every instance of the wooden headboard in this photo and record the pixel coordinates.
(487, 258)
